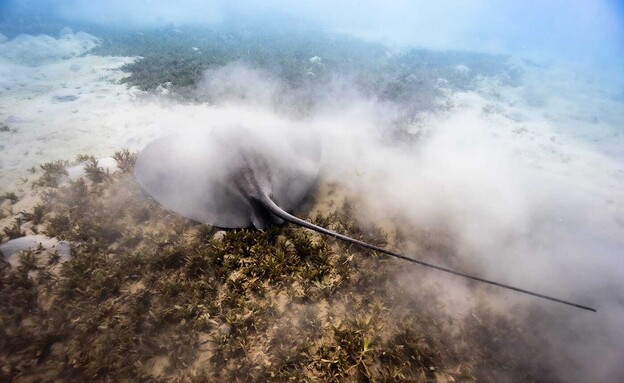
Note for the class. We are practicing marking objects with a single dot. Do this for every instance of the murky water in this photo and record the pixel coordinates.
(510, 136)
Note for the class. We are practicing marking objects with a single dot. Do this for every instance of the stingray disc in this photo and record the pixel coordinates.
(215, 176)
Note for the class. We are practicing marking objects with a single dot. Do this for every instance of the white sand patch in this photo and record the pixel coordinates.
(107, 164)
(44, 247)
(57, 110)
(36, 50)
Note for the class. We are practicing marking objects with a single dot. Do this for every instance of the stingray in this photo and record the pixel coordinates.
(236, 177)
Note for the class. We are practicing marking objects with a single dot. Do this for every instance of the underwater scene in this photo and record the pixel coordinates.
(322, 191)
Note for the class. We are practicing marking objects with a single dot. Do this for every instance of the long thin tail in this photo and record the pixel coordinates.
(272, 206)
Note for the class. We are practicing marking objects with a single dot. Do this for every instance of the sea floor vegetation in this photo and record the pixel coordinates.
(303, 59)
(152, 297)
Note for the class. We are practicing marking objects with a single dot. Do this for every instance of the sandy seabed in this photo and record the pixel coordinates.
(531, 178)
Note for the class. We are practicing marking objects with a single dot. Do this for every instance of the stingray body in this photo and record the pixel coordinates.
(221, 175)
(233, 177)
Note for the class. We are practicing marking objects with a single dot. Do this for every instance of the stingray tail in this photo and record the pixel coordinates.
(272, 206)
